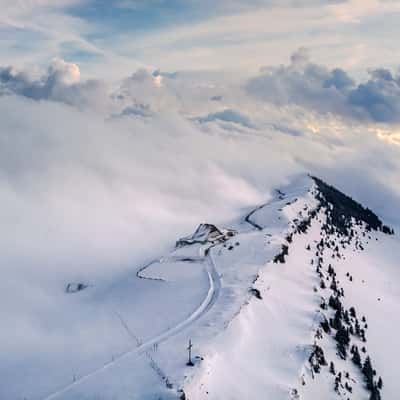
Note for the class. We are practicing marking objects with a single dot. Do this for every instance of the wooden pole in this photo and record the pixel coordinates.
(190, 362)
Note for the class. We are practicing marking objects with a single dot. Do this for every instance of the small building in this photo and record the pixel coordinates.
(206, 233)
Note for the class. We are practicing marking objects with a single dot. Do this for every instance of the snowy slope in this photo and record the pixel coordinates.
(267, 348)
(251, 304)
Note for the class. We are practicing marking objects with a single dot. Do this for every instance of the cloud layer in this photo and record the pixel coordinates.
(96, 182)
(324, 90)
(61, 82)
(302, 83)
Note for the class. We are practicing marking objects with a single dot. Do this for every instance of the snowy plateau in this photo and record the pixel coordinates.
(298, 298)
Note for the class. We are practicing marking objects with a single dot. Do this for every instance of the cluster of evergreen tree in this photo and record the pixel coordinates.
(338, 379)
(373, 386)
(342, 209)
(342, 322)
(317, 359)
(281, 256)
(345, 323)
(303, 225)
(325, 325)
(343, 338)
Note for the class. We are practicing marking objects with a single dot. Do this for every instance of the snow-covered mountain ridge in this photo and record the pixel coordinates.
(285, 302)
(309, 337)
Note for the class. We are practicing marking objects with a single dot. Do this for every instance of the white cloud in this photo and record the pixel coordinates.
(325, 90)
(353, 11)
(241, 35)
(60, 82)
(268, 36)
(67, 73)
(89, 198)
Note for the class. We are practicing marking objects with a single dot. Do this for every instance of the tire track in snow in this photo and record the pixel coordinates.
(140, 270)
(205, 306)
(163, 260)
(249, 215)
(247, 218)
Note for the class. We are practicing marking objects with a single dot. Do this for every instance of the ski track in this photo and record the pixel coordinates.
(205, 306)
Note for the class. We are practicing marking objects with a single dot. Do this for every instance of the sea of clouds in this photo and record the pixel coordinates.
(97, 178)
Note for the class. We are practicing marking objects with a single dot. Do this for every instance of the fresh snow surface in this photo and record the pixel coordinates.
(265, 350)
(375, 293)
(243, 346)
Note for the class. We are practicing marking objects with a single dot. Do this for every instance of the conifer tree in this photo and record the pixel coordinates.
(346, 317)
(368, 373)
(342, 335)
(343, 339)
(332, 368)
(375, 394)
(335, 303)
(342, 352)
(336, 322)
(362, 335)
(336, 386)
(356, 356)
(380, 383)
(348, 387)
(357, 328)
(334, 285)
(325, 326)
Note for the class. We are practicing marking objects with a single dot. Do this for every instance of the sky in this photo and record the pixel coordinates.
(124, 124)
(112, 38)
(292, 86)
(284, 86)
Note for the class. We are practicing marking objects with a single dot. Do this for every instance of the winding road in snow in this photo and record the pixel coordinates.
(204, 307)
(249, 221)
(279, 197)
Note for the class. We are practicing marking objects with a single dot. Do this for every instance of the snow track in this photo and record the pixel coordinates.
(249, 221)
(142, 348)
(279, 197)
(140, 270)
